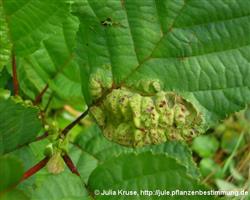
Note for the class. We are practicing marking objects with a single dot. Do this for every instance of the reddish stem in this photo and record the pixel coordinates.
(71, 125)
(78, 119)
(35, 168)
(14, 74)
(74, 170)
(40, 95)
(46, 134)
(70, 164)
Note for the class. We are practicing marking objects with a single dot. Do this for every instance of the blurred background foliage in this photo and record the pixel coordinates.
(222, 154)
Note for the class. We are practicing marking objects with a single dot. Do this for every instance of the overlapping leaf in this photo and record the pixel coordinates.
(199, 49)
(143, 172)
(5, 44)
(11, 171)
(42, 34)
(62, 186)
(30, 21)
(54, 64)
(45, 185)
(96, 149)
(19, 124)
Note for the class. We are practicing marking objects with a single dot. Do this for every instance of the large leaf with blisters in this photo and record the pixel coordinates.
(199, 49)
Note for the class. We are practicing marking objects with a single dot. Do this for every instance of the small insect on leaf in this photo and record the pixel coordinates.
(107, 22)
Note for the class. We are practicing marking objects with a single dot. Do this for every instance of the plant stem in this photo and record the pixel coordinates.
(70, 164)
(78, 119)
(35, 168)
(72, 124)
(74, 170)
(46, 134)
(14, 74)
(48, 103)
(230, 158)
(40, 95)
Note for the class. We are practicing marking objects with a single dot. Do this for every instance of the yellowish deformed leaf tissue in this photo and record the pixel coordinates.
(132, 119)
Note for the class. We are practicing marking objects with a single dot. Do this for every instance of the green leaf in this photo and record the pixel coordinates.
(53, 64)
(19, 124)
(205, 145)
(236, 174)
(209, 167)
(229, 140)
(11, 171)
(145, 171)
(224, 185)
(4, 94)
(5, 45)
(96, 149)
(26, 155)
(30, 21)
(71, 187)
(199, 49)
(4, 77)
(14, 195)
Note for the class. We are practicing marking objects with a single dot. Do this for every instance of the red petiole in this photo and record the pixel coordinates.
(35, 168)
